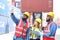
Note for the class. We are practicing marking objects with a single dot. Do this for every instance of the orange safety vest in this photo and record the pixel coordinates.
(21, 30)
(47, 30)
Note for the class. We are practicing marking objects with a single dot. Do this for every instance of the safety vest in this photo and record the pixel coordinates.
(47, 30)
(33, 36)
(21, 30)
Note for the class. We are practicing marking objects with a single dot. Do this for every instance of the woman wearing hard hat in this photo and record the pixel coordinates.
(35, 29)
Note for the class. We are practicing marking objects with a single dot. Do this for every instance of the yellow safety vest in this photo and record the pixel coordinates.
(33, 36)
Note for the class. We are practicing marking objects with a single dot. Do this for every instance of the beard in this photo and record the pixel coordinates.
(48, 20)
(24, 19)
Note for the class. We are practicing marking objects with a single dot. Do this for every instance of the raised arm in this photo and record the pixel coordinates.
(14, 18)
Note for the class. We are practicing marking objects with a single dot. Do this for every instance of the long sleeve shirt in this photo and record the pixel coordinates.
(53, 29)
(17, 21)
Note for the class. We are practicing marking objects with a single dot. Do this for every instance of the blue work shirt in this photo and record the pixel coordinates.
(53, 29)
(17, 21)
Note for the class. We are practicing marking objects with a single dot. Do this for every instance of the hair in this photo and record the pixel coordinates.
(38, 25)
(26, 16)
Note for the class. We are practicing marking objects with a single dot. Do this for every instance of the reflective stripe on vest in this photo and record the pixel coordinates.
(21, 29)
(47, 28)
(32, 35)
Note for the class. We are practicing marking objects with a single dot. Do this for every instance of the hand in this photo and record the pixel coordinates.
(42, 28)
(41, 33)
(12, 11)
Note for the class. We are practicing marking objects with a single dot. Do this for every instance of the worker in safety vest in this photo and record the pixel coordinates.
(50, 29)
(22, 27)
(35, 29)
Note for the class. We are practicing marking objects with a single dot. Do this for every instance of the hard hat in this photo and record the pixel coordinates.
(27, 13)
(51, 14)
(38, 20)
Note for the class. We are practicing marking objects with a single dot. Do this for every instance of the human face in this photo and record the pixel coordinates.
(24, 16)
(35, 23)
(48, 18)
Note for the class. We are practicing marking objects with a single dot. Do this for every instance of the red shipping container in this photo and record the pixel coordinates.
(36, 5)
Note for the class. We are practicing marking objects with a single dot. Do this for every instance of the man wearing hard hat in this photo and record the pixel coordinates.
(50, 29)
(35, 29)
(22, 27)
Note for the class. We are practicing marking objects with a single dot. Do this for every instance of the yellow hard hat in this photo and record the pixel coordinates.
(27, 13)
(38, 20)
(51, 14)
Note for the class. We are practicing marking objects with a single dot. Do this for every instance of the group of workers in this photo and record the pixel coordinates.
(24, 31)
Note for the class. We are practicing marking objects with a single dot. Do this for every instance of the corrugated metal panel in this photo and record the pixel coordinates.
(36, 5)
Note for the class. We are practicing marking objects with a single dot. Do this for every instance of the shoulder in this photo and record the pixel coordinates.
(54, 24)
